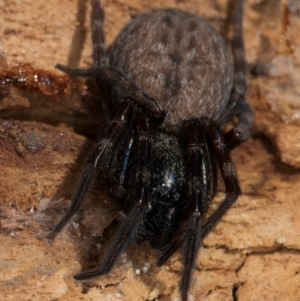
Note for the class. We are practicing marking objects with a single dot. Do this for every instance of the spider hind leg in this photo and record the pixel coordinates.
(240, 107)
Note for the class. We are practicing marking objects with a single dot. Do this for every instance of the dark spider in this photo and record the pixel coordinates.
(169, 84)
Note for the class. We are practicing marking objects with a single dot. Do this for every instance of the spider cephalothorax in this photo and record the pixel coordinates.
(168, 88)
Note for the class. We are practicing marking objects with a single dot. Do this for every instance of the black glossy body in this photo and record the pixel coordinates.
(167, 200)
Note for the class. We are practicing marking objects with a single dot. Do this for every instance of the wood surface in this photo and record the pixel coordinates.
(253, 254)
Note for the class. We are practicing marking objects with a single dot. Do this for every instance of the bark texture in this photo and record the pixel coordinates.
(45, 133)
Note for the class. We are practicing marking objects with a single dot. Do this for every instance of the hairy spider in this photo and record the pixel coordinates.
(168, 89)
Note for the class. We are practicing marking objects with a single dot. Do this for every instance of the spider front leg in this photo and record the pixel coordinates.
(104, 146)
(126, 234)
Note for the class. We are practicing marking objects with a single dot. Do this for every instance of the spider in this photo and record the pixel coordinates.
(168, 89)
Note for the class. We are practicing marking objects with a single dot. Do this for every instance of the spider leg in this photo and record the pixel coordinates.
(99, 54)
(104, 145)
(241, 108)
(97, 23)
(238, 49)
(126, 234)
(217, 143)
(115, 77)
(196, 207)
(119, 170)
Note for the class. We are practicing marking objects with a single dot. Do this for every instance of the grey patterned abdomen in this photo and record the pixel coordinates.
(178, 59)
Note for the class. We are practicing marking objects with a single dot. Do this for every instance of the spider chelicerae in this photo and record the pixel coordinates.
(168, 89)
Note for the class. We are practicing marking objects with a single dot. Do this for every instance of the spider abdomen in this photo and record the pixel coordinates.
(178, 59)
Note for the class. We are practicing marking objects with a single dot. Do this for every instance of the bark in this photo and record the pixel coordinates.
(46, 131)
